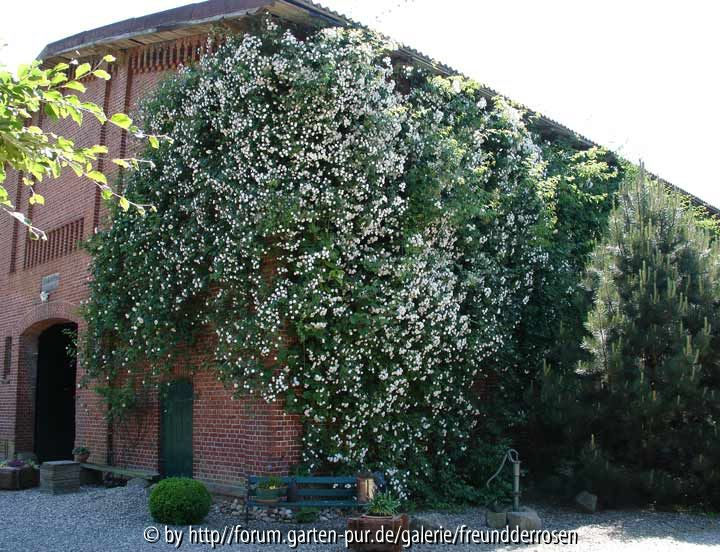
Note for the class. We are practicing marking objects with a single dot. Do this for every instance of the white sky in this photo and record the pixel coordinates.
(640, 77)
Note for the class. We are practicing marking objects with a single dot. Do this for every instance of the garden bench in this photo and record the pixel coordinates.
(308, 491)
(127, 473)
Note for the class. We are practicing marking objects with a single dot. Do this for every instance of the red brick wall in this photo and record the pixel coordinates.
(231, 438)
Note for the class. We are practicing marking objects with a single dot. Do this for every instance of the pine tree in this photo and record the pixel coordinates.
(654, 339)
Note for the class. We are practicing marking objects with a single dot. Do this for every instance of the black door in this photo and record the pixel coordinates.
(176, 428)
(55, 394)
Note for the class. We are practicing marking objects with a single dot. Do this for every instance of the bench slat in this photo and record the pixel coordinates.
(341, 480)
(303, 491)
(128, 472)
(323, 503)
(309, 504)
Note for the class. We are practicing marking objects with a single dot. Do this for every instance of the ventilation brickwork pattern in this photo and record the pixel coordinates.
(60, 241)
(168, 55)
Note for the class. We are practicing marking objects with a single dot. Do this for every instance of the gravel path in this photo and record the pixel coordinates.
(98, 520)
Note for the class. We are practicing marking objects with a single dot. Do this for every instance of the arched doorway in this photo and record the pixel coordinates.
(55, 393)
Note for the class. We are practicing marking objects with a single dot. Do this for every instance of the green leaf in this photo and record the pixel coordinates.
(36, 199)
(75, 115)
(75, 85)
(51, 112)
(124, 203)
(4, 198)
(101, 74)
(154, 142)
(108, 58)
(106, 193)
(121, 120)
(97, 176)
(121, 162)
(58, 78)
(82, 70)
(98, 149)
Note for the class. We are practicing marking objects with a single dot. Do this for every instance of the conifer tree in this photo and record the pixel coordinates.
(654, 339)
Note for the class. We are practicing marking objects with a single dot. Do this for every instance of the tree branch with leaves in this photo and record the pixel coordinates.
(38, 154)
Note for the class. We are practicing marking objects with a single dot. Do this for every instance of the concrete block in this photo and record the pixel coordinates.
(525, 519)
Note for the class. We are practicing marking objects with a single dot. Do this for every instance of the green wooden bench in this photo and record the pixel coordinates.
(307, 491)
(127, 473)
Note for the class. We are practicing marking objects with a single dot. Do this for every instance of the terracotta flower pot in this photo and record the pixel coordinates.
(370, 533)
(82, 458)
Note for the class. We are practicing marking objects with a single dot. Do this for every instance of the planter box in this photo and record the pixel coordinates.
(370, 532)
(14, 479)
(60, 477)
(270, 496)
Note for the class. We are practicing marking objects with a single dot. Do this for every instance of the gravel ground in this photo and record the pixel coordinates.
(98, 520)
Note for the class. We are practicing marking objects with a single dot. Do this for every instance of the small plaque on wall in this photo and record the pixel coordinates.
(50, 283)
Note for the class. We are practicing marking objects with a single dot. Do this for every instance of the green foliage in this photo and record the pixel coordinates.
(272, 482)
(383, 504)
(39, 154)
(307, 515)
(580, 188)
(179, 501)
(646, 400)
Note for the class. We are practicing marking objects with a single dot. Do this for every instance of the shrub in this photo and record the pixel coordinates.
(307, 515)
(179, 501)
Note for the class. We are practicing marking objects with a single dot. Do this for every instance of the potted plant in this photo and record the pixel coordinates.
(270, 490)
(19, 474)
(81, 454)
(377, 530)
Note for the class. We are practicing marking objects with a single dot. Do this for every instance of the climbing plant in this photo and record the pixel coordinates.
(362, 240)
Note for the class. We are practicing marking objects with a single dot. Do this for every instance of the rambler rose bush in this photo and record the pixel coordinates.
(380, 246)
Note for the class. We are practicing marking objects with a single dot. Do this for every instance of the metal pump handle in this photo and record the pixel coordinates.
(514, 458)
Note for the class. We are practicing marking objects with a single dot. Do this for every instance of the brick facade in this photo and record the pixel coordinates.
(231, 438)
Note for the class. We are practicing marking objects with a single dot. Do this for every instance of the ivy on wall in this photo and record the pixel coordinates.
(365, 241)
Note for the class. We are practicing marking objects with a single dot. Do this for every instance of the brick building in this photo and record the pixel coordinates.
(198, 430)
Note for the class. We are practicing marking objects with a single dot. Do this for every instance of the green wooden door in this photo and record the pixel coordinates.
(176, 428)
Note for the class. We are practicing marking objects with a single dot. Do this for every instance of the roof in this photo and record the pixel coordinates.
(199, 18)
